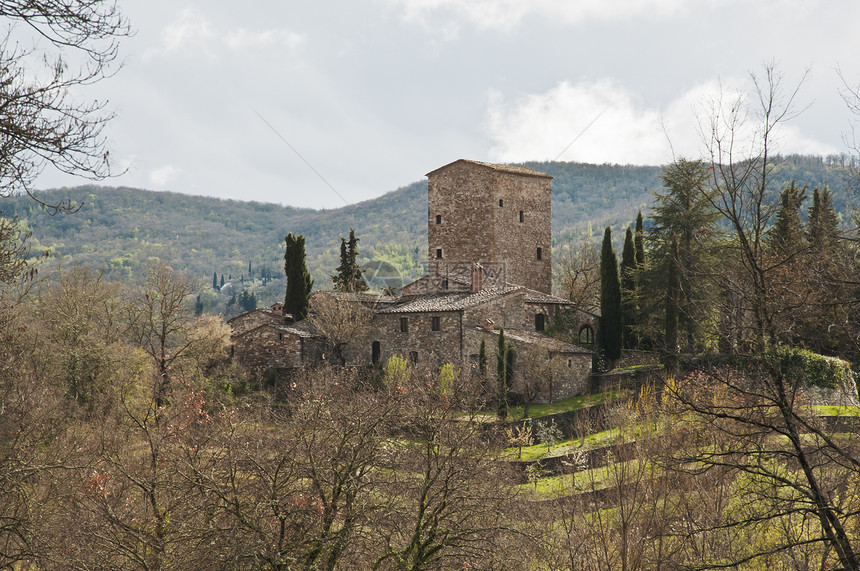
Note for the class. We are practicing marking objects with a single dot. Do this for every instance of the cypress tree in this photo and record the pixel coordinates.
(823, 223)
(786, 235)
(482, 358)
(610, 302)
(299, 282)
(628, 290)
(214, 280)
(501, 376)
(639, 241)
(673, 293)
(222, 280)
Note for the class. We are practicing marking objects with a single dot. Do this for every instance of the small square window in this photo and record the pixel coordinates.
(438, 253)
(539, 254)
(501, 202)
(404, 325)
(521, 216)
(436, 323)
(438, 219)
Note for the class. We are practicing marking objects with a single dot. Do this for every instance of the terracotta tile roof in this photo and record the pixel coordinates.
(534, 296)
(297, 329)
(368, 298)
(541, 340)
(511, 169)
(449, 301)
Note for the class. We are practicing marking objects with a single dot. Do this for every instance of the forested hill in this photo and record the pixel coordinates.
(122, 228)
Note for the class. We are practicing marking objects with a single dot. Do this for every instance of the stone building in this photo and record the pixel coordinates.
(262, 341)
(489, 268)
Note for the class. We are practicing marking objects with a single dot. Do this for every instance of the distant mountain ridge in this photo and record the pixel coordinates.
(122, 228)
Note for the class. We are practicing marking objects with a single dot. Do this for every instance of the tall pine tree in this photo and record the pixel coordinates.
(299, 282)
(610, 334)
(685, 211)
(349, 277)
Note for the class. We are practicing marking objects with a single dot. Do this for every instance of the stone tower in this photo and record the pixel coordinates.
(497, 215)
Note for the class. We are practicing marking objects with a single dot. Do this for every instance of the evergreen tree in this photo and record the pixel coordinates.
(349, 277)
(823, 228)
(501, 376)
(482, 358)
(685, 211)
(250, 273)
(610, 302)
(299, 282)
(786, 236)
(198, 306)
(222, 280)
(672, 298)
(628, 290)
(639, 241)
(214, 280)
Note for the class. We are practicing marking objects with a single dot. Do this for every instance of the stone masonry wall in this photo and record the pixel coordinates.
(479, 210)
(262, 349)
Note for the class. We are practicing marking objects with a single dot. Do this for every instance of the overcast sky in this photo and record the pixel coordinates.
(376, 93)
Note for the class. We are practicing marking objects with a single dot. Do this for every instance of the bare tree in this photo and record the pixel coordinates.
(579, 274)
(759, 413)
(72, 44)
(340, 317)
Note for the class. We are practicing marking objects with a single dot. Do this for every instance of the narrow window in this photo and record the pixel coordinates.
(435, 323)
(413, 358)
(501, 202)
(539, 322)
(280, 336)
(438, 219)
(521, 216)
(444, 284)
(404, 325)
(374, 352)
(569, 363)
(438, 253)
(539, 254)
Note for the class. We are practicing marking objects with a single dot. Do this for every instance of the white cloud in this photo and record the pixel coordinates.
(162, 176)
(507, 14)
(191, 31)
(624, 130)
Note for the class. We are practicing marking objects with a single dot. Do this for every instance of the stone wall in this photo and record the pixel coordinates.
(474, 216)
(253, 319)
(267, 347)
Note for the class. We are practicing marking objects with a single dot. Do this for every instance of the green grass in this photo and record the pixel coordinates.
(589, 442)
(600, 478)
(566, 405)
(829, 410)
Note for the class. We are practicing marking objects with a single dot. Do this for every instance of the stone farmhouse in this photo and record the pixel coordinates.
(489, 268)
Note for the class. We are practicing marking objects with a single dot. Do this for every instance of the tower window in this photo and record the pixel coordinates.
(539, 254)
(438, 219)
(439, 253)
(501, 202)
(404, 325)
(540, 322)
(280, 336)
(521, 216)
(444, 284)
(436, 323)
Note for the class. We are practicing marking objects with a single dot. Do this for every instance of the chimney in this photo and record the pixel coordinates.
(477, 277)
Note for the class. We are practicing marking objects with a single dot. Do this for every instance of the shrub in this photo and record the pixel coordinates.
(818, 370)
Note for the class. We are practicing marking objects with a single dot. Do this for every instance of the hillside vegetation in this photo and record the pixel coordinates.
(120, 229)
